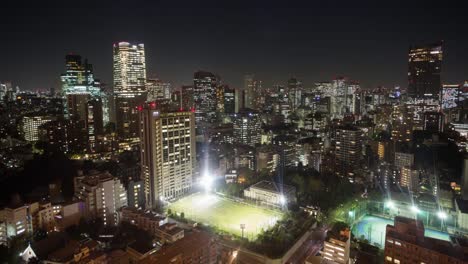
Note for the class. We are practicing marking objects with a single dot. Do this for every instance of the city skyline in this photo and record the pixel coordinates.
(270, 41)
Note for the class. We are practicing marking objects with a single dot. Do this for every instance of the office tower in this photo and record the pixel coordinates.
(402, 124)
(102, 194)
(247, 127)
(67, 136)
(239, 99)
(229, 100)
(225, 99)
(129, 86)
(220, 99)
(31, 126)
(78, 77)
(295, 91)
(252, 92)
(424, 68)
(168, 158)
(136, 194)
(433, 122)
(403, 159)
(83, 97)
(158, 90)
(204, 94)
(405, 243)
(348, 150)
(188, 103)
(337, 246)
(409, 179)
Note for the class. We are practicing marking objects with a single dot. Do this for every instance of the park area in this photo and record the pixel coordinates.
(225, 214)
(373, 228)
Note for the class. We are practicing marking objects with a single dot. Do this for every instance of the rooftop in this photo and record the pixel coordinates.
(273, 186)
(184, 247)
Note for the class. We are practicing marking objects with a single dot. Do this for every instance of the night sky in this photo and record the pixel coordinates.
(273, 40)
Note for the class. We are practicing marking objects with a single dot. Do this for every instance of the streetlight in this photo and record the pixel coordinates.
(390, 204)
(415, 209)
(282, 200)
(442, 215)
(242, 226)
(207, 182)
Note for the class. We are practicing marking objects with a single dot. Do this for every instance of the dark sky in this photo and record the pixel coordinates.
(274, 40)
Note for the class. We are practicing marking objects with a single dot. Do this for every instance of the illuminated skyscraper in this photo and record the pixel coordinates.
(83, 97)
(168, 158)
(295, 93)
(348, 150)
(129, 86)
(252, 92)
(31, 126)
(78, 77)
(247, 127)
(424, 67)
(158, 90)
(204, 94)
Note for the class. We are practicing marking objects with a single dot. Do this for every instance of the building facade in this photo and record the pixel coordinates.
(424, 68)
(103, 195)
(167, 154)
(129, 86)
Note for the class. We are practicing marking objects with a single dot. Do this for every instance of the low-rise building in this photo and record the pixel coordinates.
(337, 246)
(156, 225)
(195, 247)
(16, 220)
(271, 193)
(405, 243)
(102, 194)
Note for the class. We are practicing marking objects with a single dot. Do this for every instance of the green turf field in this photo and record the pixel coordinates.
(225, 214)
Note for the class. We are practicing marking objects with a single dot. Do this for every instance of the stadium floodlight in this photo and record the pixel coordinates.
(442, 215)
(283, 200)
(207, 182)
(415, 209)
(390, 204)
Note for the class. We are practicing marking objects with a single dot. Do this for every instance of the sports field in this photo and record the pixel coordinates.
(373, 229)
(226, 214)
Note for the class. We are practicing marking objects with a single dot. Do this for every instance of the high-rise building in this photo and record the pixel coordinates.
(402, 124)
(158, 90)
(129, 86)
(424, 68)
(168, 158)
(83, 96)
(348, 150)
(409, 179)
(405, 243)
(78, 77)
(102, 194)
(225, 99)
(295, 91)
(247, 127)
(204, 94)
(252, 92)
(187, 98)
(229, 100)
(31, 126)
(403, 159)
